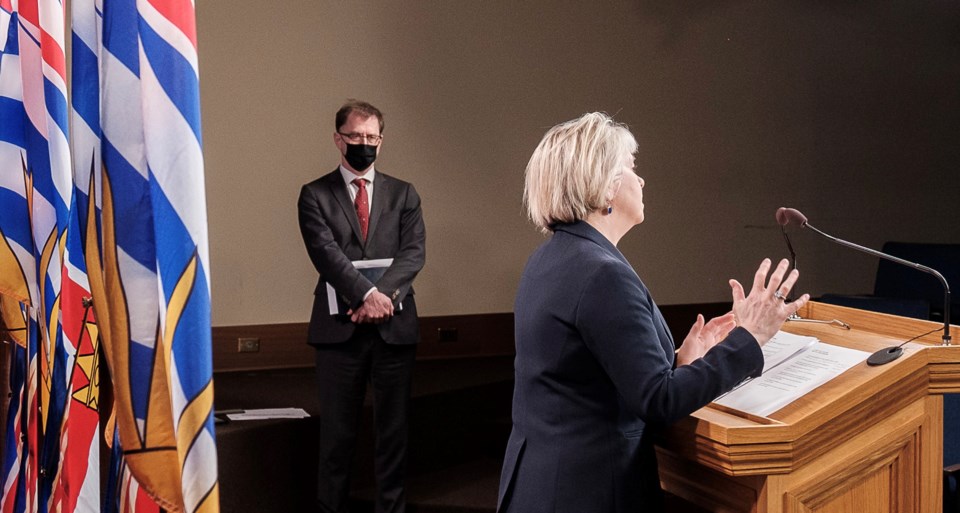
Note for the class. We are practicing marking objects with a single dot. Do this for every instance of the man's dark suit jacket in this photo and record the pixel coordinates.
(331, 232)
(594, 374)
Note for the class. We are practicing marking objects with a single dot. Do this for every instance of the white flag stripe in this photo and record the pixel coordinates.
(70, 348)
(170, 33)
(178, 400)
(199, 470)
(88, 499)
(52, 21)
(54, 77)
(78, 277)
(32, 80)
(11, 169)
(44, 223)
(176, 160)
(85, 141)
(122, 114)
(10, 85)
(5, 18)
(60, 162)
(85, 26)
(143, 328)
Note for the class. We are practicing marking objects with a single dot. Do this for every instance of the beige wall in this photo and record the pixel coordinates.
(848, 111)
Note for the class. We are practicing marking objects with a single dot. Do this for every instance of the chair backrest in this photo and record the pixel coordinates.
(916, 308)
(899, 281)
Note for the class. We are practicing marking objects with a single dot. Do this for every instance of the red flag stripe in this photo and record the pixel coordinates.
(29, 11)
(179, 13)
(53, 54)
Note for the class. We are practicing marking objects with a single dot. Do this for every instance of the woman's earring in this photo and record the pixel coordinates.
(609, 209)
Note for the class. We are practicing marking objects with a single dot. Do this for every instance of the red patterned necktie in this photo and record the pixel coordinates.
(362, 205)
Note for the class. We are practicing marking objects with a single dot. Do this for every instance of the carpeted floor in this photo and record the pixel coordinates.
(469, 487)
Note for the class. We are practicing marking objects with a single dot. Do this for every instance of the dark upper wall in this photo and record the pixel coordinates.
(849, 111)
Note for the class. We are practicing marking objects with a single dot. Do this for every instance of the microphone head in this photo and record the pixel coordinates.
(781, 216)
(786, 216)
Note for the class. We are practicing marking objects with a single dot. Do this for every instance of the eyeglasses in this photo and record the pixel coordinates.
(356, 138)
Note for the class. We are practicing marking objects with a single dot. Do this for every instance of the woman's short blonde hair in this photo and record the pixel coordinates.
(575, 168)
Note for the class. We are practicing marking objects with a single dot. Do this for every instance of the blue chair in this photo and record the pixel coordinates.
(916, 308)
(898, 281)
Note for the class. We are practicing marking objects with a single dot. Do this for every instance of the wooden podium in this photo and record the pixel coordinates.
(868, 441)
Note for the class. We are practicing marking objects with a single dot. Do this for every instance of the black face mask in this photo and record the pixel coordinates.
(361, 156)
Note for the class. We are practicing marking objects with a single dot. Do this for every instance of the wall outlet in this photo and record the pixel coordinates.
(447, 334)
(248, 345)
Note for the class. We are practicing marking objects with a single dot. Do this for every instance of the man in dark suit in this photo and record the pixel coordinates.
(363, 325)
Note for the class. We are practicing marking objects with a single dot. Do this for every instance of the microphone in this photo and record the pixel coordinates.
(783, 219)
(789, 216)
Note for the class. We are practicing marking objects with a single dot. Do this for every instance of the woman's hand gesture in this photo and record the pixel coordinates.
(764, 311)
(703, 336)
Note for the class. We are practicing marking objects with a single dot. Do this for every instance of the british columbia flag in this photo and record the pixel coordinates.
(103, 241)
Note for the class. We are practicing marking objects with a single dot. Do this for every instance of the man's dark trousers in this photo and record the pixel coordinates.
(343, 370)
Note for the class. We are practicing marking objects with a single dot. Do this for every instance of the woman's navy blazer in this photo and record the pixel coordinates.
(594, 373)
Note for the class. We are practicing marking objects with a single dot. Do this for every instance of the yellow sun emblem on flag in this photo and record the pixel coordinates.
(88, 362)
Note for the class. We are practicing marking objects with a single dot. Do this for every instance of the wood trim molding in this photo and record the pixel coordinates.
(443, 336)
(285, 345)
(280, 346)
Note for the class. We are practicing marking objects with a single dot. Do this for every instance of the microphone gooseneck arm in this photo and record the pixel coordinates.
(922, 268)
(793, 254)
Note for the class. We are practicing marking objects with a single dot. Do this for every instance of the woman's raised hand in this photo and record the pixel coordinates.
(764, 311)
(704, 335)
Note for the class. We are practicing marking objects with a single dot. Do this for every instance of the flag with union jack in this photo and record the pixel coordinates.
(150, 281)
(17, 264)
(36, 188)
(114, 253)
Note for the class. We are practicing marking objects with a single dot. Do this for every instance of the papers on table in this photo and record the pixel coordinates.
(372, 269)
(268, 413)
(793, 366)
(783, 346)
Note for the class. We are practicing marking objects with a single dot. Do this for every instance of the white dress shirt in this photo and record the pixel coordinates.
(348, 178)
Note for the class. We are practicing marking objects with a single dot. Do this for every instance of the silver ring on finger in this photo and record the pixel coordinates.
(779, 295)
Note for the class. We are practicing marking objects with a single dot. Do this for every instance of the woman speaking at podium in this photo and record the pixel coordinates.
(596, 367)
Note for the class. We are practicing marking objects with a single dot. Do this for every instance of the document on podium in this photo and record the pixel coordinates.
(372, 269)
(793, 366)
